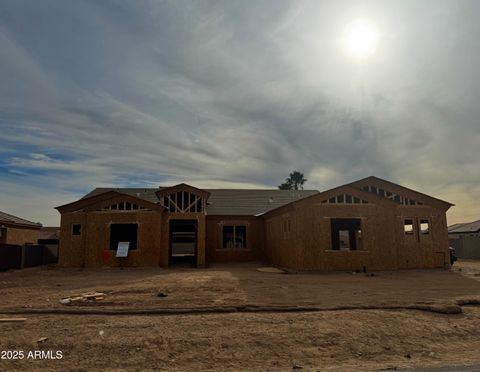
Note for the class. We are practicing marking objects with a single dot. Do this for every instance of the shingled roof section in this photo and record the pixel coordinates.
(236, 202)
(10, 219)
(470, 227)
(251, 202)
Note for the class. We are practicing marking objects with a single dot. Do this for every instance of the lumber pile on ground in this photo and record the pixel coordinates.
(86, 297)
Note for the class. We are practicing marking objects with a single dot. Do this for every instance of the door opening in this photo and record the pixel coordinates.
(183, 242)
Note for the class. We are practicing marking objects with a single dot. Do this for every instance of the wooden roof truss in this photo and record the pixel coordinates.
(184, 202)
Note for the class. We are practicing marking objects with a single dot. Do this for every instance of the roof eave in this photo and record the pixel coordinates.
(21, 225)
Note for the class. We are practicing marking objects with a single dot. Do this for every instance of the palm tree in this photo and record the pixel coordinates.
(294, 181)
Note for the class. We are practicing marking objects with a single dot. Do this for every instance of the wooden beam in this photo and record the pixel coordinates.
(192, 204)
(172, 202)
(12, 320)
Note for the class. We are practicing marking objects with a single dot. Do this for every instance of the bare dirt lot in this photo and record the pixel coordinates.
(359, 322)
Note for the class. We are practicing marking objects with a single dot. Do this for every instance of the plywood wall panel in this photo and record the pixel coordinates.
(385, 245)
(255, 239)
(92, 247)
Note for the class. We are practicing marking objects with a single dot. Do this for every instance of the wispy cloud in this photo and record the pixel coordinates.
(234, 95)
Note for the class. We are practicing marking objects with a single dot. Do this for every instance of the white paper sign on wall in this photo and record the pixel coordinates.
(122, 249)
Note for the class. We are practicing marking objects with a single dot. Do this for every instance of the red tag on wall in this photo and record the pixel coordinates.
(106, 257)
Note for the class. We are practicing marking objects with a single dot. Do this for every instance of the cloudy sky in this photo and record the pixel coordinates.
(236, 94)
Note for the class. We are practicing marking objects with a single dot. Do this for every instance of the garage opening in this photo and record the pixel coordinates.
(183, 242)
(346, 234)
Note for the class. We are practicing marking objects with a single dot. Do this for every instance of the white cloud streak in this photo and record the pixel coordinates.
(235, 95)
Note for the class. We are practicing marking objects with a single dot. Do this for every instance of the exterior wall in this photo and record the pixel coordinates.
(71, 250)
(308, 246)
(255, 239)
(466, 246)
(418, 250)
(20, 235)
(89, 248)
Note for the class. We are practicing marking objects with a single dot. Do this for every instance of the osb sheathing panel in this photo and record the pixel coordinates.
(255, 239)
(21, 235)
(98, 238)
(419, 250)
(88, 249)
(165, 243)
(71, 251)
(385, 245)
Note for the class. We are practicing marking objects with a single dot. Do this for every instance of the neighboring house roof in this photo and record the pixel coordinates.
(455, 225)
(470, 227)
(225, 201)
(49, 233)
(14, 220)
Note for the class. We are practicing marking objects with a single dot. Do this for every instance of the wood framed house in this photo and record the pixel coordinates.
(371, 222)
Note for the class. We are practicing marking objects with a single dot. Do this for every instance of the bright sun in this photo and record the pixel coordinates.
(362, 38)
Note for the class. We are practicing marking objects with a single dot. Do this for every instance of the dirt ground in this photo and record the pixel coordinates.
(343, 340)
